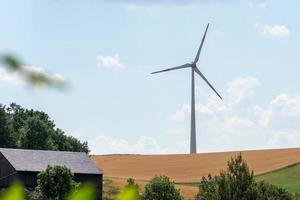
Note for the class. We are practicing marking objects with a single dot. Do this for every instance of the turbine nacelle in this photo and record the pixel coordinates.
(193, 65)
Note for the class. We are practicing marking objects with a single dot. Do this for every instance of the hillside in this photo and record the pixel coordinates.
(187, 170)
(190, 168)
(287, 178)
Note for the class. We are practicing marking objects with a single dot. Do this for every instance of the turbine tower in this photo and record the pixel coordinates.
(194, 68)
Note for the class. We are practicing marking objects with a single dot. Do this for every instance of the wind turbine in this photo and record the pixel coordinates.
(194, 68)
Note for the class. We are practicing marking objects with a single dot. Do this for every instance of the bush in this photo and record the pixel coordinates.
(161, 188)
(208, 189)
(131, 183)
(268, 191)
(55, 183)
(238, 183)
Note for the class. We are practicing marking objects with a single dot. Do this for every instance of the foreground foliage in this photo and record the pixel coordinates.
(33, 76)
(31, 129)
(85, 192)
(16, 192)
(238, 183)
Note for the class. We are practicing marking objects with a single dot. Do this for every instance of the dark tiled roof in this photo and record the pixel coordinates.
(38, 160)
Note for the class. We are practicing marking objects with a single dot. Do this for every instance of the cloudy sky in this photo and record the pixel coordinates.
(106, 50)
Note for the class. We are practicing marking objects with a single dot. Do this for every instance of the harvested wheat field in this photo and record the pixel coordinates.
(190, 168)
(186, 168)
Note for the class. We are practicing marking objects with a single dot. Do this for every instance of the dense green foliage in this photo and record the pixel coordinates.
(238, 183)
(30, 129)
(55, 183)
(287, 178)
(161, 188)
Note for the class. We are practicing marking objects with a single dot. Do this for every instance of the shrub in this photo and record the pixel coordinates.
(268, 191)
(161, 188)
(131, 183)
(56, 182)
(238, 183)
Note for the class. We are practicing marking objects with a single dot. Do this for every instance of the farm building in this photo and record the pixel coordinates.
(24, 165)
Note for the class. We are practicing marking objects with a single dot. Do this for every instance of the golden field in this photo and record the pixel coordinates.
(186, 168)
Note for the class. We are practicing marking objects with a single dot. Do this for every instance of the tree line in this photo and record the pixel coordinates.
(31, 129)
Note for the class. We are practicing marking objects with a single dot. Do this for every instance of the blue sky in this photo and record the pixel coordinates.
(106, 50)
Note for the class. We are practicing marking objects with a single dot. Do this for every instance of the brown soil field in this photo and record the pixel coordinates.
(186, 168)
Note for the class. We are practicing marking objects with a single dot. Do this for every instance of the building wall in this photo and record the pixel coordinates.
(7, 172)
(29, 179)
(95, 179)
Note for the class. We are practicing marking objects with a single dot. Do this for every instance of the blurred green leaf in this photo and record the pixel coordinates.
(87, 191)
(14, 192)
(128, 193)
(11, 61)
(34, 76)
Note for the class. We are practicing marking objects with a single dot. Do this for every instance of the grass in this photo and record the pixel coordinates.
(287, 178)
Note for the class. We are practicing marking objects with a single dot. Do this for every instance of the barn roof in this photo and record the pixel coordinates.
(38, 160)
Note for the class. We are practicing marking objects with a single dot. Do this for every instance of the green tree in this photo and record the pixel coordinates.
(56, 182)
(7, 139)
(238, 183)
(76, 145)
(31, 129)
(161, 188)
(208, 189)
(36, 135)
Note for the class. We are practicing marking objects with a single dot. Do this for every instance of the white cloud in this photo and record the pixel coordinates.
(105, 144)
(221, 126)
(241, 88)
(283, 112)
(110, 62)
(9, 76)
(275, 31)
(238, 123)
(180, 115)
(226, 125)
(212, 106)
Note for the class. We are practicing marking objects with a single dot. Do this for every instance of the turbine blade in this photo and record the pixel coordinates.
(199, 50)
(173, 68)
(202, 76)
